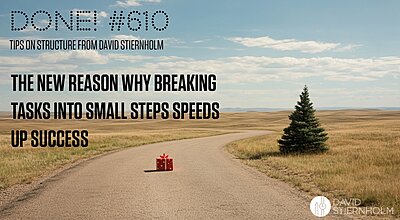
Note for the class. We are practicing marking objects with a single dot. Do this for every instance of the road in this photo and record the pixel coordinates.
(207, 183)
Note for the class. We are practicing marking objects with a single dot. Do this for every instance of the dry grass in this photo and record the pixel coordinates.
(363, 161)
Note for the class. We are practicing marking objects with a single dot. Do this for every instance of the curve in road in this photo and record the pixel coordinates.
(207, 183)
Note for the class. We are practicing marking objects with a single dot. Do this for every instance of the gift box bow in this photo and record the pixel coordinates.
(164, 156)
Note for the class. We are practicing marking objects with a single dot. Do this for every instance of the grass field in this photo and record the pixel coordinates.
(363, 161)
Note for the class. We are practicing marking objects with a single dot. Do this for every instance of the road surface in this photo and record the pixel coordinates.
(207, 183)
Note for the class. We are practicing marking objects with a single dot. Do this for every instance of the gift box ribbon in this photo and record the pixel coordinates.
(164, 156)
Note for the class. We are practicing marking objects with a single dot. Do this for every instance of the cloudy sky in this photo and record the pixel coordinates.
(264, 52)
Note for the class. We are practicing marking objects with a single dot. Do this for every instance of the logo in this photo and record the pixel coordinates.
(320, 206)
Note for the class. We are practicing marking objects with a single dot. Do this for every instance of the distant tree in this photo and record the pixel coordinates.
(304, 134)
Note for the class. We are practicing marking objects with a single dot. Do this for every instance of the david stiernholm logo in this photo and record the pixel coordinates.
(320, 206)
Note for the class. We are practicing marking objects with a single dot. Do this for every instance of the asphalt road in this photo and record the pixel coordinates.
(207, 183)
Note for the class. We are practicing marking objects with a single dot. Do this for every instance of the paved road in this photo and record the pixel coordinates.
(206, 184)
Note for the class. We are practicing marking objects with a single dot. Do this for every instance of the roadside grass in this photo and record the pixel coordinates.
(363, 160)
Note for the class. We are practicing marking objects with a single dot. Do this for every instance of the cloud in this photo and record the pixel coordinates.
(125, 37)
(133, 3)
(17, 61)
(4, 43)
(88, 57)
(289, 44)
(100, 14)
(348, 47)
(129, 58)
(44, 22)
(28, 29)
(141, 58)
(175, 42)
(240, 69)
(51, 61)
(251, 69)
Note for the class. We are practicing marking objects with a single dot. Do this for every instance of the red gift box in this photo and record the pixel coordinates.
(164, 163)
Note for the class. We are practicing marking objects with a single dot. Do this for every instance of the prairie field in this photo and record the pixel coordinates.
(363, 160)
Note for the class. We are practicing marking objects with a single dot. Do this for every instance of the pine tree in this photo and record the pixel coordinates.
(304, 134)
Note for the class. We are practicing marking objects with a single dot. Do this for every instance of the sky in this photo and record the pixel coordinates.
(263, 52)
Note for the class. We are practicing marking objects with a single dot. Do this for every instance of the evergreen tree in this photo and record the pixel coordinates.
(304, 134)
